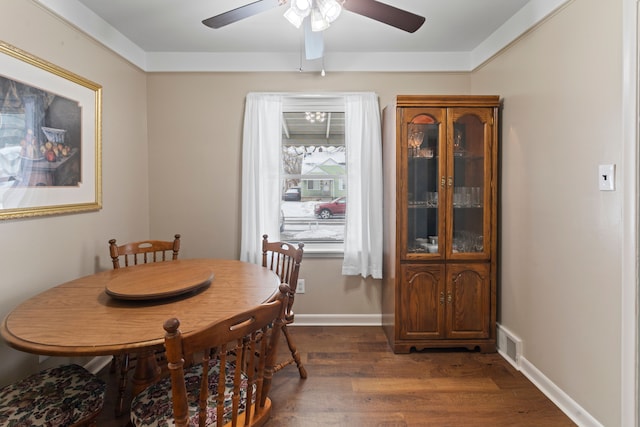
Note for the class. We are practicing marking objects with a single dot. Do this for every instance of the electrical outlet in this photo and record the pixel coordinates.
(300, 287)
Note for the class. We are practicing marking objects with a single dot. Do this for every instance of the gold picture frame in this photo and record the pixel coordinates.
(50, 138)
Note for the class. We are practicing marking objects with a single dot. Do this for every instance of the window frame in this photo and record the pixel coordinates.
(329, 104)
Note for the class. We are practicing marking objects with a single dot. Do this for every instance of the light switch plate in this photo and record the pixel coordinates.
(606, 177)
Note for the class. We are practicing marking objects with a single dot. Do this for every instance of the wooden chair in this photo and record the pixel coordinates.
(229, 381)
(135, 253)
(144, 251)
(284, 259)
(67, 395)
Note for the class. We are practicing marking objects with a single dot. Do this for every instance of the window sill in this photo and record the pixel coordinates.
(324, 250)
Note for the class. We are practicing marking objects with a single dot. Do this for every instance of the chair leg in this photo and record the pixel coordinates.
(122, 385)
(294, 353)
(114, 364)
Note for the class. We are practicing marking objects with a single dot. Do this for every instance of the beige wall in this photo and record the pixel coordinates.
(560, 288)
(41, 252)
(172, 157)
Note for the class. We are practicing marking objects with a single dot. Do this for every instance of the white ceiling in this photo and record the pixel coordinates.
(168, 35)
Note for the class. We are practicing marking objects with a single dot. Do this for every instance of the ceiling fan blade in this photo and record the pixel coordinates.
(241, 12)
(386, 14)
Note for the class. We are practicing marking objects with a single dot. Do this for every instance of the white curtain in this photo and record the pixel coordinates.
(260, 173)
(261, 157)
(363, 230)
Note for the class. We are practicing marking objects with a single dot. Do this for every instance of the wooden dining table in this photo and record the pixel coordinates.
(123, 310)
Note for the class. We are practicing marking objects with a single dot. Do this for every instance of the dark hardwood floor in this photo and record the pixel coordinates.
(356, 380)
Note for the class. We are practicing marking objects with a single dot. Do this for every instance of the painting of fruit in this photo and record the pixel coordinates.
(50, 155)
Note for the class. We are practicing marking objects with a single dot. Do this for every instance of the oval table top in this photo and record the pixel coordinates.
(80, 318)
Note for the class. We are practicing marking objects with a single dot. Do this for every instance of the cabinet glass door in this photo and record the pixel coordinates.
(468, 182)
(422, 144)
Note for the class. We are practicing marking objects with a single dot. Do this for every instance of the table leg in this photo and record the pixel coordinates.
(146, 372)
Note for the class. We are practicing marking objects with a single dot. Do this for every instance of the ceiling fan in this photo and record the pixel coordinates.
(373, 9)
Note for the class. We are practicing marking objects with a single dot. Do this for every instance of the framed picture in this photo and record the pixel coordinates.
(50, 138)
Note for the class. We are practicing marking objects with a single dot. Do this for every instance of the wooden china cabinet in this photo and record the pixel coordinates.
(440, 160)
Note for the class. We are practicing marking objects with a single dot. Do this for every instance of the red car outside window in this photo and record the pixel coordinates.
(333, 208)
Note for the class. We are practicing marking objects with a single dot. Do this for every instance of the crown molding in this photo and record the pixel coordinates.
(85, 20)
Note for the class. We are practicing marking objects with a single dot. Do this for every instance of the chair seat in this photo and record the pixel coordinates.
(62, 396)
(154, 407)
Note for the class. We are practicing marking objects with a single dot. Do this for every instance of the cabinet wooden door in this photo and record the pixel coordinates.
(422, 154)
(469, 183)
(468, 297)
(422, 299)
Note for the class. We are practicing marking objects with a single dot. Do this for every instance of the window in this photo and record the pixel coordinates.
(314, 160)
(262, 174)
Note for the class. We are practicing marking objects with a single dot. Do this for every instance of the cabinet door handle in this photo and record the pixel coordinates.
(441, 298)
(442, 182)
(450, 181)
(449, 297)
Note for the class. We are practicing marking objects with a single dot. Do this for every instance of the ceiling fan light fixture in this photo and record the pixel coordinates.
(302, 7)
(293, 17)
(323, 13)
(318, 21)
(330, 9)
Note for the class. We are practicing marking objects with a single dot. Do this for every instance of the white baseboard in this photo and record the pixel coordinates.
(510, 347)
(338, 320)
(567, 405)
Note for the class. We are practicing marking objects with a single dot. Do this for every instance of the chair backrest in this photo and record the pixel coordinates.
(144, 251)
(283, 259)
(244, 347)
